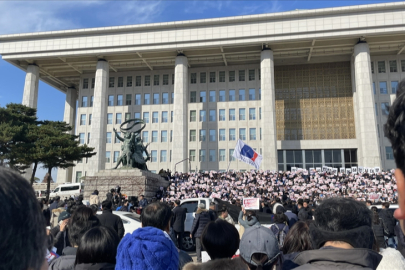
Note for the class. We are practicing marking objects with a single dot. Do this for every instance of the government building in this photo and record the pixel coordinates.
(304, 88)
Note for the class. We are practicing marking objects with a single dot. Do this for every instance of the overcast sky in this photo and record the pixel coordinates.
(34, 16)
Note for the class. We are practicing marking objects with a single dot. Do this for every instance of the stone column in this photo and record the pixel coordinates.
(99, 118)
(369, 147)
(268, 105)
(30, 96)
(65, 175)
(179, 144)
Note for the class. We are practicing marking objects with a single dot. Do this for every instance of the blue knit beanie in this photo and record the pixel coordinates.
(147, 249)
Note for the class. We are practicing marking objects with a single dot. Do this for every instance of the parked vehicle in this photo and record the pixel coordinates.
(67, 190)
(131, 221)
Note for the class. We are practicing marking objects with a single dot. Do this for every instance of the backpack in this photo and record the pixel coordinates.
(280, 235)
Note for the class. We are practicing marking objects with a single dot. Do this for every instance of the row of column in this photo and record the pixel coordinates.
(363, 98)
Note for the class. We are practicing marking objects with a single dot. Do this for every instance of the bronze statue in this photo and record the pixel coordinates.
(134, 153)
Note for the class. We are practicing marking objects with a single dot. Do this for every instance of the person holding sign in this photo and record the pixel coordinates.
(251, 218)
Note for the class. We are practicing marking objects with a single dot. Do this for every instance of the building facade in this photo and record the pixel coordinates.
(304, 88)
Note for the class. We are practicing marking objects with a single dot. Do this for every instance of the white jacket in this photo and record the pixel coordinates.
(392, 259)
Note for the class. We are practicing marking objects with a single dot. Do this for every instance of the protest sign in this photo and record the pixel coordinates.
(251, 203)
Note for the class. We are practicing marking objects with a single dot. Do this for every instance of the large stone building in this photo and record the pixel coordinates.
(305, 88)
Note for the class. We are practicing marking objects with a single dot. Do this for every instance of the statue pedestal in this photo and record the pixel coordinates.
(133, 182)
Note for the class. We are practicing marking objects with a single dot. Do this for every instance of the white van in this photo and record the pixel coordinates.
(68, 190)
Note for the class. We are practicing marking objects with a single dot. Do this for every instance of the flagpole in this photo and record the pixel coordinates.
(229, 164)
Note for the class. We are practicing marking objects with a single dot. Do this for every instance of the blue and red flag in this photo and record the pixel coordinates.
(245, 153)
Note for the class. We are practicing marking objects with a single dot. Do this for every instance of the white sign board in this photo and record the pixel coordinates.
(251, 203)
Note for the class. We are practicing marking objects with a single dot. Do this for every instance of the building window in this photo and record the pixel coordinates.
(260, 113)
(260, 133)
(394, 85)
(372, 67)
(203, 77)
(164, 117)
(108, 137)
(84, 101)
(202, 116)
(389, 154)
(156, 80)
(385, 108)
(193, 97)
(138, 99)
(111, 82)
(242, 113)
(146, 99)
(252, 94)
(171, 116)
(129, 81)
(212, 77)
(221, 95)
(163, 136)
(82, 119)
(109, 118)
(221, 154)
(90, 116)
(147, 80)
(203, 96)
(138, 81)
(192, 155)
(145, 136)
(110, 100)
(242, 96)
(93, 82)
(156, 98)
(85, 83)
(241, 75)
(163, 154)
(383, 88)
(376, 109)
(193, 116)
(252, 134)
(171, 135)
(252, 114)
(403, 65)
(381, 66)
(116, 140)
(231, 76)
(213, 117)
(172, 100)
(203, 135)
(213, 135)
(127, 116)
(232, 134)
(165, 98)
(137, 115)
(146, 117)
(172, 78)
(251, 74)
(81, 138)
(375, 92)
(231, 95)
(212, 96)
(153, 154)
(91, 101)
(155, 117)
(116, 156)
(393, 66)
(128, 99)
(221, 115)
(193, 79)
(154, 136)
(120, 81)
(88, 139)
(107, 157)
(231, 157)
(118, 118)
(213, 155)
(193, 135)
(232, 115)
(242, 134)
(165, 79)
(222, 135)
(260, 94)
(202, 155)
(222, 76)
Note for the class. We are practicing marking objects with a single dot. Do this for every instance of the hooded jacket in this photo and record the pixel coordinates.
(202, 218)
(337, 258)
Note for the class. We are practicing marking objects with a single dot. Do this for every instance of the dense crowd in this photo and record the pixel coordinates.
(267, 185)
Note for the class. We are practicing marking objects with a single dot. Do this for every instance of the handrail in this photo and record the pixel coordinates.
(181, 162)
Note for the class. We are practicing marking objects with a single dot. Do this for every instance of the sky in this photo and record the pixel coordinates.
(33, 16)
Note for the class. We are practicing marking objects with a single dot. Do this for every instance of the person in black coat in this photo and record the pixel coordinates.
(389, 223)
(202, 218)
(179, 216)
(108, 219)
(378, 229)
